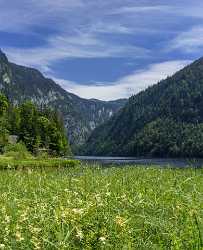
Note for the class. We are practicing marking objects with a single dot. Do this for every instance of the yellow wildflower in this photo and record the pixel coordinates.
(120, 221)
(19, 236)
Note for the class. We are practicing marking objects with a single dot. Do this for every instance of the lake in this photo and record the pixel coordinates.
(162, 162)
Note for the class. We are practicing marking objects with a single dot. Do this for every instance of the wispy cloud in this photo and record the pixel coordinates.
(181, 8)
(111, 28)
(79, 46)
(20, 15)
(126, 86)
(75, 29)
(141, 9)
(189, 41)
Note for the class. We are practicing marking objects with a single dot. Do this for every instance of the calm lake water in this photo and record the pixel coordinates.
(162, 162)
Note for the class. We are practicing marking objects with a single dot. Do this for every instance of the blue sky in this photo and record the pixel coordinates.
(104, 49)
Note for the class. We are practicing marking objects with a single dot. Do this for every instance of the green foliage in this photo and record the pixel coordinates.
(97, 208)
(42, 130)
(168, 138)
(3, 139)
(17, 151)
(36, 128)
(3, 122)
(3, 104)
(165, 119)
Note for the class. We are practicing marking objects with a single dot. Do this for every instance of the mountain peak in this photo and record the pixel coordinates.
(1, 52)
(3, 56)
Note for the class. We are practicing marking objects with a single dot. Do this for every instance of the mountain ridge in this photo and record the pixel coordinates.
(81, 116)
(176, 101)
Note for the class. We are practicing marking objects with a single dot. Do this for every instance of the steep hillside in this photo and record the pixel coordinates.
(165, 120)
(81, 116)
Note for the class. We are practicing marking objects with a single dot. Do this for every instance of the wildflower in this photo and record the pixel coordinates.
(2, 246)
(79, 234)
(103, 240)
(24, 216)
(29, 171)
(108, 193)
(120, 221)
(34, 230)
(78, 211)
(192, 212)
(7, 219)
(19, 236)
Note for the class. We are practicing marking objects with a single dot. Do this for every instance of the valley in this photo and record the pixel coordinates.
(80, 115)
(101, 125)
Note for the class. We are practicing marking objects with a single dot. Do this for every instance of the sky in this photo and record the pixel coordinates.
(104, 49)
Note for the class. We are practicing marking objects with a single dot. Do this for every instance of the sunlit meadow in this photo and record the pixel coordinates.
(101, 208)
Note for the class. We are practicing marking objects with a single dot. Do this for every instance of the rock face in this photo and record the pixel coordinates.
(81, 116)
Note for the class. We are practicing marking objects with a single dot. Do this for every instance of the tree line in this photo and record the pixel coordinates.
(39, 128)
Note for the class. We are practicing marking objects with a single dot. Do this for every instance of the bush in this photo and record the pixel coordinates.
(17, 151)
(42, 154)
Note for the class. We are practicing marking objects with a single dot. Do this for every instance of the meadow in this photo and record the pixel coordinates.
(89, 207)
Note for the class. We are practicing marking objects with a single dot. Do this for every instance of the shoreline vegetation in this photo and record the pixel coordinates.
(85, 207)
(32, 163)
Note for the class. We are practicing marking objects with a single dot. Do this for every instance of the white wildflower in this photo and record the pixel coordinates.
(102, 239)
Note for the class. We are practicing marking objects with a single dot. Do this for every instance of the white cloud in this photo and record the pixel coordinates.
(88, 29)
(189, 41)
(141, 9)
(79, 46)
(20, 15)
(111, 28)
(126, 86)
(175, 8)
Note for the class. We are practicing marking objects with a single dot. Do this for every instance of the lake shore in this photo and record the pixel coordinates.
(161, 162)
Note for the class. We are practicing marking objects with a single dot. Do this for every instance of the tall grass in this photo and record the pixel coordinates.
(94, 208)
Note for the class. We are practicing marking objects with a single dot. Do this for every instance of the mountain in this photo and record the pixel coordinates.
(164, 120)
(81, 116)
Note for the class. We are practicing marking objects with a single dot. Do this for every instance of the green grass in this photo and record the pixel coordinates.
(32, 163)
(94, 208)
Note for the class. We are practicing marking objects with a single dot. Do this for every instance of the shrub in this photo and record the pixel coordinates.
(17, 151)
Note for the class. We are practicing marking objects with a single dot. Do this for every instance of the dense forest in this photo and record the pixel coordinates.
(39, 129)
(164, 120)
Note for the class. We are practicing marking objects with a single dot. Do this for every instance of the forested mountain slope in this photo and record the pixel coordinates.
(81, 116)
(164, 120)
